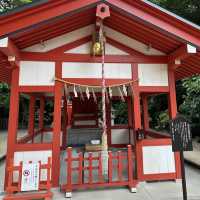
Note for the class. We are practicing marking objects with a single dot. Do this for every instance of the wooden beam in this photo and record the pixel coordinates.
(70, 57)
(42, 14)
(8, 48)
(180, 54)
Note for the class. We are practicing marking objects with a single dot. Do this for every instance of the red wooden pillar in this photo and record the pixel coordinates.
(41, 117)
(130, 118)
(136, 116)
(57, 126)
(172, 112)
(13, 119)
(136, 98)
(41, 114)
(31, 120)
(64, 125)
(145, 112)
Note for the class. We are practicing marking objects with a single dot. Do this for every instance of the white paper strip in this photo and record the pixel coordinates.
(75, 92)
(66, 91)
(110, 92)
(81, 94)
(87, 93)
(125, 90)
(121, 94)
(94, 96)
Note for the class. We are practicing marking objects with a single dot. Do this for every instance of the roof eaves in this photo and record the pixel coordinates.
(172, 14)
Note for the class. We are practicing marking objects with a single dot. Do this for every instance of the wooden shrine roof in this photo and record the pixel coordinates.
(137, 19)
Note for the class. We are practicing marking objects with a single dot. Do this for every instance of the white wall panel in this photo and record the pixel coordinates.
(36, 73)
(86, 49)
(33, 156)
(134, 44)
(153, 74)
(93, 70)
(158, 159)
(119, 136)
(61, 40)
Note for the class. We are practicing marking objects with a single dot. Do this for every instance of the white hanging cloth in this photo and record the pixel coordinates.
(125, 90)
(75, 92)
(87, 93)
(94, 96)
(121, 94)
(66, 91)
(110, 92)
(107, 97)
(81, 94)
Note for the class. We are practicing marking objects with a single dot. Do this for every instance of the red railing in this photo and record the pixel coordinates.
(118, 163)
(13, 189)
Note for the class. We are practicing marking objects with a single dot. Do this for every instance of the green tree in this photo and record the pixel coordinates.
(6, 5)
(188, 9)
(191, 104)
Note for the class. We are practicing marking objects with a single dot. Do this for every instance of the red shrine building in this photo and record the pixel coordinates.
(47, 52)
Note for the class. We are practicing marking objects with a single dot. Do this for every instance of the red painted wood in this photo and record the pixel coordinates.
(120, 166)
(80, 173)
(31, 89)
(145, 112)
(31, 120)
(70, 57)
(90, 168)
(14, 188)
(69, 170)
(41, 117)
(173, 113)
(156, 134)
(172, 93)
(41, 113)
(159, 21)
(13, 119)
(42, 13)
(57, 127)
(64, 124)
(31, 147)
(11, 49)
(154, 89)
(119, 157)
(100, 170)
(136, 98)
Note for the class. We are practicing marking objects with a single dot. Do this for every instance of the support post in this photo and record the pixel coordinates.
(136, 116)
(65, 124)
(57, 127)
(31, 120)
(173, 112)
(145, 112)
(41, 117)
(130, 118)
(13, 120)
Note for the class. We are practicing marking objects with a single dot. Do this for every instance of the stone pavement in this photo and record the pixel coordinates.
(194, 156)
(3, 141)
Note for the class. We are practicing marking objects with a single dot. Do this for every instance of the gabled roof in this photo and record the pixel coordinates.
(138, 19)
